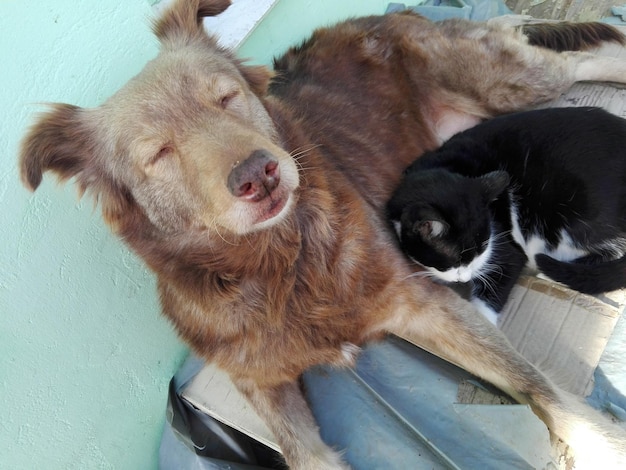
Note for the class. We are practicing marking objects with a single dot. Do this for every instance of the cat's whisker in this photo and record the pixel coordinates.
(498, 237)
(494, 267)
(489, 283)
(470, 248)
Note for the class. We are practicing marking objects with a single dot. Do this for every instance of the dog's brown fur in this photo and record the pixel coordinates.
(261, 214)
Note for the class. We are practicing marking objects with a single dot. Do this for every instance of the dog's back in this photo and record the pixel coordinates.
(365, 112)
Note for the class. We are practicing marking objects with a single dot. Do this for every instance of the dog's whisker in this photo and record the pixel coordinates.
(222, 237)
(307, 168)
(300, 151)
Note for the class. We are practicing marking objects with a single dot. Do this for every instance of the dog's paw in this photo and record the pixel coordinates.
(323, 459)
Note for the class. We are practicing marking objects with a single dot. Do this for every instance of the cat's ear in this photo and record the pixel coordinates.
(494, 183)
(430, 228)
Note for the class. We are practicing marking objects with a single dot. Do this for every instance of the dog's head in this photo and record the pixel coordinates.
(186, 143)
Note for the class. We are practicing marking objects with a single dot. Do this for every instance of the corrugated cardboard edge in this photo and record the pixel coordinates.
(561, 331)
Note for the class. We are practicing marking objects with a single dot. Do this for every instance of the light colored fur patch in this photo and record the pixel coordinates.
(489, 313)
(535, 244)
(465, 273)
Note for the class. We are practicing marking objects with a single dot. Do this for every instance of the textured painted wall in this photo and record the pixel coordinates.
(85, 357)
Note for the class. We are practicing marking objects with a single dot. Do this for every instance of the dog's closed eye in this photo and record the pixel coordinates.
(159, 159)
(227, 99)
(163, 152)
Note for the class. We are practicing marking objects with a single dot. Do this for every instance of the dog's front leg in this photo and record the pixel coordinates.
(286, 413)
(443, 323)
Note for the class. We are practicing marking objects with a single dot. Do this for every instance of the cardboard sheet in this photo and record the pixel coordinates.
(559, 330)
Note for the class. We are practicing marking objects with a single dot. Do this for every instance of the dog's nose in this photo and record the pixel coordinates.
(256, 177)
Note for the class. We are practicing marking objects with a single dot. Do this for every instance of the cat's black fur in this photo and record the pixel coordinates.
(564, 169)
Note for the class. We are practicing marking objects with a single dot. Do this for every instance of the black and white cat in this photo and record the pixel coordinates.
(547, 187)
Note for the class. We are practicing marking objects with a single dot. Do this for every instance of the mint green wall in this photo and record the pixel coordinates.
(291, 21)
(85, 358)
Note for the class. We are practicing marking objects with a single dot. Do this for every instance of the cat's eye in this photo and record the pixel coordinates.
(430, 228)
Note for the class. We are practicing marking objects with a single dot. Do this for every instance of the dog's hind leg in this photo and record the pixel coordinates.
(484, 70)
(446, 325)
(536, 76)
(595, 68)
(285, 411)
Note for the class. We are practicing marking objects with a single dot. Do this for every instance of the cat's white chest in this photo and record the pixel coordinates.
(465, 273)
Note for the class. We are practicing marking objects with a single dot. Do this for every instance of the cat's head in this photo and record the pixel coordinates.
(443, 220)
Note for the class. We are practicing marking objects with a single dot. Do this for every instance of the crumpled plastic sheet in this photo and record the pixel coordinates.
(619, 15)
(396, 409)
(609, 391)
(192, 440)
(436, 10)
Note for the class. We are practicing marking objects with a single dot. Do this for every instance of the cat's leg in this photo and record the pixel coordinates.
(493, 286)
(443, 323)
(592, 274)
(486, 310)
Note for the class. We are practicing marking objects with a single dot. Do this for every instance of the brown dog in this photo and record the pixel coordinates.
(261, 214)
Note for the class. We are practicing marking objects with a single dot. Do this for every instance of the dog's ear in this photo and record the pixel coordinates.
(257, 76)
(183, 20)
(493, 184)
(59, 141)
(64, 142)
